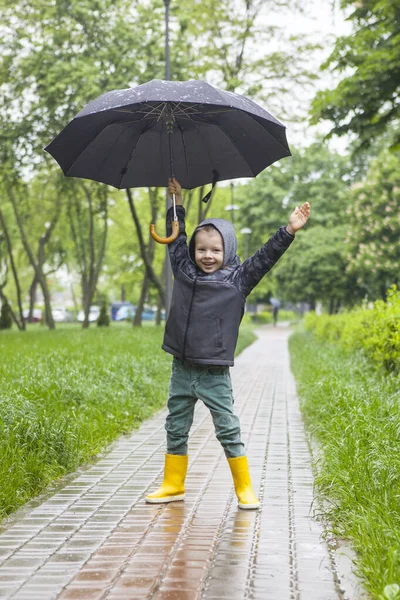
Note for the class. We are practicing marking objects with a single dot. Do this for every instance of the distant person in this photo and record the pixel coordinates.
(211, 286)
(275, 309)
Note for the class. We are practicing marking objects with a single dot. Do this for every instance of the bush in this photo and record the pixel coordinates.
(266, 317)
(375, 331)
(288, 315)
(5, 316)
(262, 318)
(104, 319)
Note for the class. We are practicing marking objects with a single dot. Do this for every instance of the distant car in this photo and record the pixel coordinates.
(128, 312)
(36, 315)
(94, 314)
(148, 314)
(61, 315)
(125, 312)
(115, 306)
(151, 313)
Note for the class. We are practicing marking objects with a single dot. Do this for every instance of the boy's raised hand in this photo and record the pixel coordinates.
(174, 187)
(298, 218)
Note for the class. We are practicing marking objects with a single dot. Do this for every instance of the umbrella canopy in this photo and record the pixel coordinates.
(141, 136)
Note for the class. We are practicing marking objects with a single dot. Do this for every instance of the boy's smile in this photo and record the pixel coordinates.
(209, 250)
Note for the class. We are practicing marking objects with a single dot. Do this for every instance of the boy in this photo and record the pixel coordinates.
(201, 332)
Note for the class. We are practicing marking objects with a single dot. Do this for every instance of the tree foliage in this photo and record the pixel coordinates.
(226, 45)
(58, 56)
(314, 267)
(366, 100)
(372, 241)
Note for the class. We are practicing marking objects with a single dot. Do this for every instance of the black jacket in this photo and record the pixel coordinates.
(206, 309)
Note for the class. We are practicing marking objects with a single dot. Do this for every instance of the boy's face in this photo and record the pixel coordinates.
(209, 250)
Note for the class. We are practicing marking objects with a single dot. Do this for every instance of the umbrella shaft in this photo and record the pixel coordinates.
(171, 163)
(171, 158)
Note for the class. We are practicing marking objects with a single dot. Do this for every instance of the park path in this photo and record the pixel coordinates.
(95, 538)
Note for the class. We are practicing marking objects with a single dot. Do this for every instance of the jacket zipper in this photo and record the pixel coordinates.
(188, 319)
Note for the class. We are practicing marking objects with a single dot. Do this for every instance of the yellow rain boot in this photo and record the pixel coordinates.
(173, 487)
(241, 479)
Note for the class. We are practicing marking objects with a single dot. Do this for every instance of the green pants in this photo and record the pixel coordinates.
(212, 385)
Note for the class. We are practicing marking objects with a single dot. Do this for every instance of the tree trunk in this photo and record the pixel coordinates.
(188, 202)
(137, 320)
(76, 309)
(32, 298)
(87, 299)
(89, 257)
(159, 302)
(159, 309)
(74, 209)
(14, 271)
(150, 250)
(201, 206)
(383, 288)
(47, 303)
(143, 250)
(37, 264)
(123, 294)
(89, 288)
(13, 315)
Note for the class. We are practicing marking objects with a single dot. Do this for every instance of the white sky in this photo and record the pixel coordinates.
(320, 17)
(322, 22)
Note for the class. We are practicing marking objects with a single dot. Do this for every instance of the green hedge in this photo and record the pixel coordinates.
(265, 317)
(375, 331)
(262, 318)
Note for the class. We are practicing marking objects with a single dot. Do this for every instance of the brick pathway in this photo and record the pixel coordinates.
(97, 539)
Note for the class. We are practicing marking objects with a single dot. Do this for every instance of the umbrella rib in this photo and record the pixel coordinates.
(152, 112)
(125, 169)
(206, 148)
(185, 153)
(178, 109)
(85, 148)
(234, 144)
(238, 149)
(91, 141)
(276, 140)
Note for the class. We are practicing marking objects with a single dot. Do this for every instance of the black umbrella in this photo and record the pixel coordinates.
(190, 130)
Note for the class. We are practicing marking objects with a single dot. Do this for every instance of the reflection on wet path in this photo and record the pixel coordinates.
(96, 538)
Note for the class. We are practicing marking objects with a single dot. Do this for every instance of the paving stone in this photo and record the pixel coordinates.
(80, 594)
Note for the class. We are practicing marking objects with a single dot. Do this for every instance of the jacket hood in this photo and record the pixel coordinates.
(227, 231)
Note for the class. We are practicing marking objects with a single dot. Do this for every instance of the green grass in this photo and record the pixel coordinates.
(66, 394)
(353, 412)
(246, 335)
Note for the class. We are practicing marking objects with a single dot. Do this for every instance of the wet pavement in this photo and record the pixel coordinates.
(97, 539)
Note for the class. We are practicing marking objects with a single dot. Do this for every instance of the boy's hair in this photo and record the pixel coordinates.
(208, 227)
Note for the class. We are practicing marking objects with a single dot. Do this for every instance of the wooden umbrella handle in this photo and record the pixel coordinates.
(165, 240)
